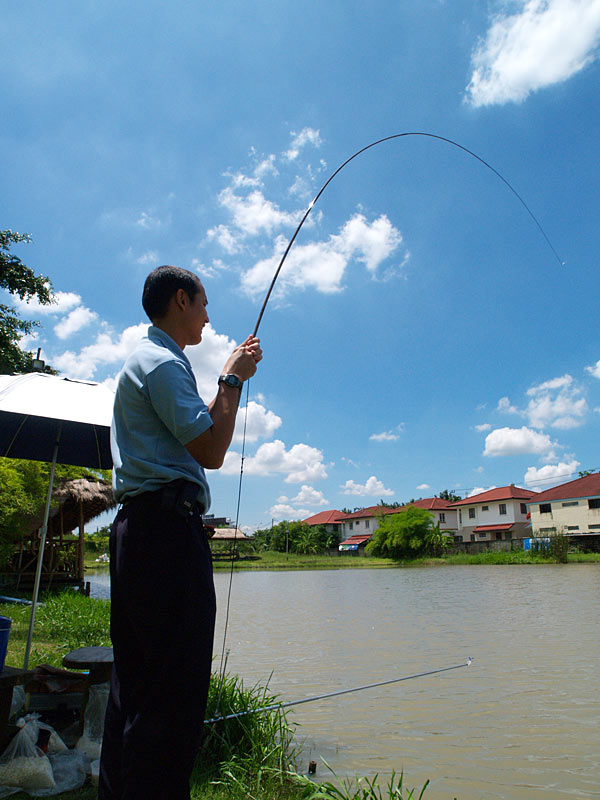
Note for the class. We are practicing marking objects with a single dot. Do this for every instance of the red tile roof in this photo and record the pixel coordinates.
(324, 518)
(371, 511)
(357, 539)
(510, 492)
(503, 527)
(431, 504)
(589, 486)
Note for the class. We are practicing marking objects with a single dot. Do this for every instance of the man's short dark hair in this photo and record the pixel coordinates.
(161, 285)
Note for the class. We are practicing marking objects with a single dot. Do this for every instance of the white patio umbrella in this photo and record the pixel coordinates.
(58, 420)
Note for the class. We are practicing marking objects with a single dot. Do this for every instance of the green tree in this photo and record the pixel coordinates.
(451, 497)
(23, 491)
(22, 281)
(406, 534)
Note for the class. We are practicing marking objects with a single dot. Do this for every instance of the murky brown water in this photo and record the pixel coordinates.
(522, 722)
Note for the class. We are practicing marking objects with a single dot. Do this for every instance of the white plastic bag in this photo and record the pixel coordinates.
(90, 744)
(17, 702)
(23, 765)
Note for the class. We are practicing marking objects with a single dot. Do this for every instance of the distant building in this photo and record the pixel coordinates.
(500, 513)
(330, 519)
(571, 508)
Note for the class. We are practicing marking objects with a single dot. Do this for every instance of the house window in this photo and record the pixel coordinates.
(594, 502)
(498, 534)
(502, 508)
(471, 513)
(485, 508)
(572, 527)
(570, 503)
(545, 508)
(442, 517)
(472, 537)
(595, 527)
(547, 531)
(350, 525)
(482, 535)
(508, 535)
(367, 523)
(459, 538)
(523, 508)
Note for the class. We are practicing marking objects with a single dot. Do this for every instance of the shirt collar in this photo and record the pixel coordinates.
(160, 337)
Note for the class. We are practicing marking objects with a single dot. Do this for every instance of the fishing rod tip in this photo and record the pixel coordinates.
(469, 661)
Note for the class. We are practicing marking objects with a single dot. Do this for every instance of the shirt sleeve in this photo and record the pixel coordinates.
(174, 396)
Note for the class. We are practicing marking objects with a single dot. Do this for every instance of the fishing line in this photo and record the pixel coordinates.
(223, 663)
(337, 693)
(285, 255)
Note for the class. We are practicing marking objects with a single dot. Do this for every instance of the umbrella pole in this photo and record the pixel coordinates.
(40, 561)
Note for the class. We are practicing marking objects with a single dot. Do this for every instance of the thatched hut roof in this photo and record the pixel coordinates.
(228, 535)
(82, 499)
(76, 501)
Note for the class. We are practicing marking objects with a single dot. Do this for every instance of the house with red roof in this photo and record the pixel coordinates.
(332, 520)
(571, 508)
(443, 513)
(500, 513)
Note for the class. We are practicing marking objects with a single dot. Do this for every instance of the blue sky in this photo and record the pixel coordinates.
(422, 335)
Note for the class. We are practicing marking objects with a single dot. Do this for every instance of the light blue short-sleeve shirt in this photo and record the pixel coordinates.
(157, 412)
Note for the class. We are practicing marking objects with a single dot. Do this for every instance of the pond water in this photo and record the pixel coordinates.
(521, 722)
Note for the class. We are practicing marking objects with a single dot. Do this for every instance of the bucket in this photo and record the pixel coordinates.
(5, 623)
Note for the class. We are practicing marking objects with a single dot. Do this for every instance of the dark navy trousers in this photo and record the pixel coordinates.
(162, 626)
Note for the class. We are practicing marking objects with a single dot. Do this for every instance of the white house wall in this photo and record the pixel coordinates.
(566, 516)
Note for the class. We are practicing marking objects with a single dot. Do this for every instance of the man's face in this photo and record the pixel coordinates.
(197, 316)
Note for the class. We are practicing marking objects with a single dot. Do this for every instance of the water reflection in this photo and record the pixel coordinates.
(520, 723)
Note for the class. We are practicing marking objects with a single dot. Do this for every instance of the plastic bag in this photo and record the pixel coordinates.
(23, 765)
(17, 702)
(90, 744)
(40, 775)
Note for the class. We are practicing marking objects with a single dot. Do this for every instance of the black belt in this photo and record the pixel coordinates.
(180, 496)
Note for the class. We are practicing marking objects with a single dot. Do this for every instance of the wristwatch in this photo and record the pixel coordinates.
(231, 380)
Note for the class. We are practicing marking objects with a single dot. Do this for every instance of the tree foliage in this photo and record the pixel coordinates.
(18, 279)
(451, 497)
(301, 538)
(23, 493)
(407, 534)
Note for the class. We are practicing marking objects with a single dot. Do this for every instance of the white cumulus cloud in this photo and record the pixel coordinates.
(308, 496)
(300, 140)
(594, 369)
(300, 463)
(388, 436)
(551, 474)
(321, 265)
(557, 403)
(423, 486)
(281, 511)
(544, 43)
(485, 426)
(109, 348)
(63, 302)
(372, 487)
(74, 321)
(517, 441)
(260, 422)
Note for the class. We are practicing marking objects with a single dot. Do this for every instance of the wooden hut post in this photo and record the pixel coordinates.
(81, 551)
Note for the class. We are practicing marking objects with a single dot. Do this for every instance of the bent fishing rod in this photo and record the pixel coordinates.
(363, 150)
(293, 239)
(337, 693)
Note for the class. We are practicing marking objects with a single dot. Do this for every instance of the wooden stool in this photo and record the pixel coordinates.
(98, 660)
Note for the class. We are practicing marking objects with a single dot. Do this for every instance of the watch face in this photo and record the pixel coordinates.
(231, 380)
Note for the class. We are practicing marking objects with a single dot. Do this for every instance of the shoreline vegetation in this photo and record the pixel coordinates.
(253, 756)
(271, 560)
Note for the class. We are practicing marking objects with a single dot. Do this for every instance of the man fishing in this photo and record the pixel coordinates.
(162, 595)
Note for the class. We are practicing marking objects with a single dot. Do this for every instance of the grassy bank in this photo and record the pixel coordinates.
(269, 560)
(249, 757)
